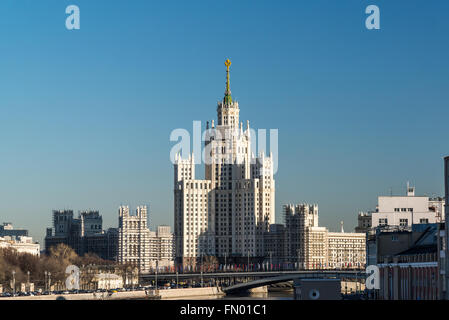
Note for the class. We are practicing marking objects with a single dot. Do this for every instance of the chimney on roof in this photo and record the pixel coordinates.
(410, 190)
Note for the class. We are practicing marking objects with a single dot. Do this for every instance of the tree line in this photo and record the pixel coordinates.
(55, 263)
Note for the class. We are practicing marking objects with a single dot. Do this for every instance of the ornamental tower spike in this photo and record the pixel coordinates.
(227, 98)
(228, 109)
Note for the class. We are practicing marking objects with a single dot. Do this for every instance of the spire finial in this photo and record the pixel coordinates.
(227, 99)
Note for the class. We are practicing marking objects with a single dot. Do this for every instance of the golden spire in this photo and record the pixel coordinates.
(227, 99)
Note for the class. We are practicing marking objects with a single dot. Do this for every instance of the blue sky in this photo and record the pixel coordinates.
(86, 115)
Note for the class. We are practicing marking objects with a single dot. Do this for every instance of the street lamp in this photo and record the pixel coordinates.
(28, 281)
(49, 281)
(201, 269)
(298, 259)
(45, 281)
(156, 273)
(132, 279)
(247, 269)
(225, 259)
(13, 282)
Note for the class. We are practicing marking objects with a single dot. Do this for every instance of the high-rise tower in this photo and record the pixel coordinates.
(226, 214)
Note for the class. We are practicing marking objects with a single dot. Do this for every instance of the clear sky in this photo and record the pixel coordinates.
(86, 114)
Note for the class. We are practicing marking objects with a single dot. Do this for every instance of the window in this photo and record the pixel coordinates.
(424, 220)
(383, 222)
(403, 222)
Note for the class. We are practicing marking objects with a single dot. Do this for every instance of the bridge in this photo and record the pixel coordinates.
(289, 276)
(241, 281)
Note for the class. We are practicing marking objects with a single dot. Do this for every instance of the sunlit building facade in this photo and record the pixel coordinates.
(226, 214)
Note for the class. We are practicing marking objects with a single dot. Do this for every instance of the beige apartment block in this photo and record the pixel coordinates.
(314, 247)
(346, 250)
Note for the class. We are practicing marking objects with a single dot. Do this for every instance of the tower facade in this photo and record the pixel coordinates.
(134, 238)
(226, 214)
(301, 223)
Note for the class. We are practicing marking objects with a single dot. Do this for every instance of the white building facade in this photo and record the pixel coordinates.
(134, 238)
(403, 211)
(21, 244)
(227, 213)
(314, 247)
(300, 219)
(346, 250)
(162, 247)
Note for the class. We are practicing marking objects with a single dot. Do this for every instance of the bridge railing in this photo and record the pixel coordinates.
(243, 268)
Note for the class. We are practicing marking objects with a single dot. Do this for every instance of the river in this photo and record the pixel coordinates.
(273, 295)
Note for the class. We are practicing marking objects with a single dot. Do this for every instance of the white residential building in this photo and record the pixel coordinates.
(134, 238)
(107, 281)
(314, 247)
(21, 244)
(227, 213)
(403, 211)
(162, 247)
(346, 250)
(299, 220)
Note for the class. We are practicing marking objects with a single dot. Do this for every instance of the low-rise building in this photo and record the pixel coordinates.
(107, 281)
(410, 267)
(7, 230)
(346, 249)
(403, 211)
(21, 244)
